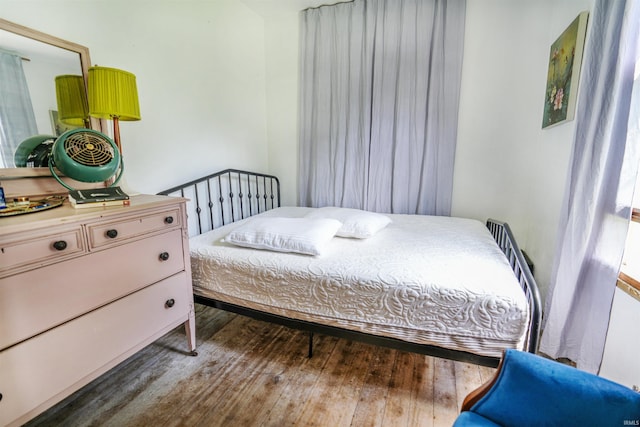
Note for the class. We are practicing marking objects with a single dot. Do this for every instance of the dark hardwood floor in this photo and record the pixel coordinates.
(252, 373)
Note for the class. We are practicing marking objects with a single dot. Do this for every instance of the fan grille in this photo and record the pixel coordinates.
(88, 149)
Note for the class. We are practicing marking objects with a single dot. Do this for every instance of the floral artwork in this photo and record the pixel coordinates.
(565, 58)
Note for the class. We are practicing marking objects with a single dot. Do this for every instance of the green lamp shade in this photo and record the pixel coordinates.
(73, 108)
(113, 94)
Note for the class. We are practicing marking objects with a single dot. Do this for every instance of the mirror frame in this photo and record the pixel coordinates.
(85, 63)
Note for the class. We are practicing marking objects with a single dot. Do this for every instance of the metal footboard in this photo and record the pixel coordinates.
(504, 237)
(225, 197)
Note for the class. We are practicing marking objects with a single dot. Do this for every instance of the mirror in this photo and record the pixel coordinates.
(43, 57)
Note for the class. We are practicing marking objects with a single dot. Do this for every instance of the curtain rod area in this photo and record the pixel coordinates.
(328, 4)
(9, 52)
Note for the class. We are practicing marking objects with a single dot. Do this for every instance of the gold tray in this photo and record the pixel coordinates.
(33, 206)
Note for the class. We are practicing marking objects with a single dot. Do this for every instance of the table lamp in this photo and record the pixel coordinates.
(113, 95)
(71, 96)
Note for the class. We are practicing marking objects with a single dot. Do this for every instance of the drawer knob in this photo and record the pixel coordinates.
(112, 234)
(169, 220)
(60, 245)
(170, 303)
(164, 256)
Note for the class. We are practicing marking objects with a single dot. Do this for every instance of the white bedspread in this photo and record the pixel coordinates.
(424, 279)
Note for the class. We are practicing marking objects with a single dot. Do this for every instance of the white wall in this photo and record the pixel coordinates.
(200, 68)
(507, 167)
(282, 101)
(281, 18)
(40, 72)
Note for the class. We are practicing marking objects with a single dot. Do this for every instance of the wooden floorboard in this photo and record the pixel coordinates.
(252, 373)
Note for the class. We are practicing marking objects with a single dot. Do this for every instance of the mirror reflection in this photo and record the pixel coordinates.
(28, 104)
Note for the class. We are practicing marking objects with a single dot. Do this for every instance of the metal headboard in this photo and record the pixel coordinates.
(504, 237)
(225, 197)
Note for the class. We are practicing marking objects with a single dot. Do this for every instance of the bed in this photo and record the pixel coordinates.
(442, 286)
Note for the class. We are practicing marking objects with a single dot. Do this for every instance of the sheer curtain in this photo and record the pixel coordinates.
(597, 203)
(380, 83)
(17, 121)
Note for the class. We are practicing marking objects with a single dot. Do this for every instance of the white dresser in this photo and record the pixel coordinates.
(81, 290)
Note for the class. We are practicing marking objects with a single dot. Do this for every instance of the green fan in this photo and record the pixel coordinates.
(34, 151)
(85, 155)
(82, 154)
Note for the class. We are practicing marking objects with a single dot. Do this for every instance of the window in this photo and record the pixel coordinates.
(629, 277)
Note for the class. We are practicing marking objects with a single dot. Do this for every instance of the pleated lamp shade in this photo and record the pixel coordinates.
(113, 94)
(71, 95)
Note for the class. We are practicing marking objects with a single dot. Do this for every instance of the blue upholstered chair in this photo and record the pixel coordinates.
(529, 390)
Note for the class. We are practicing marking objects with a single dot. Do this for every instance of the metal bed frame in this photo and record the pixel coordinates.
(231, 195)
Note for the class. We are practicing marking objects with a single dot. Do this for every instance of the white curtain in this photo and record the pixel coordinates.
(380, 83)
(17, 121)
(602, 173)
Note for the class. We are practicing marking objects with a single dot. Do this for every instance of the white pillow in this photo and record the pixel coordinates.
(355, 222)
(300, 235)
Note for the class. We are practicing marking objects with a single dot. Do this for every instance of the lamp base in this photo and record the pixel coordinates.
(116, 134)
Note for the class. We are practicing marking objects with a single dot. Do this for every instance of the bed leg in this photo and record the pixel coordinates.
(310, 344)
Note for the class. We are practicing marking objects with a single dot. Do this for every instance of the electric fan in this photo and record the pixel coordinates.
(85, 155)
(34, 151)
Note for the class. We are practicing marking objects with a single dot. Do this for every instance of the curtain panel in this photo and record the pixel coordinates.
(380, 84)
(597, 205)
(17, 120)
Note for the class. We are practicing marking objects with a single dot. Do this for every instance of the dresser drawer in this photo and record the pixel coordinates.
(40, 372)
(107, 233)
(37, 300)
(17, 252)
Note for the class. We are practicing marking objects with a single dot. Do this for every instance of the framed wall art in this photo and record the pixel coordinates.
(57, 125)
(565, 59)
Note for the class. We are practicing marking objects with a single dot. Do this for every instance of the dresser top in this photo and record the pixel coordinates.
(67, 214)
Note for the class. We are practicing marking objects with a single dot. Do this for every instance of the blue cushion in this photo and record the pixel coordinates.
(534, 391)
(472, 419)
